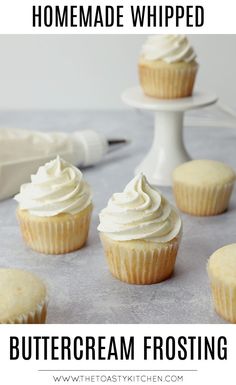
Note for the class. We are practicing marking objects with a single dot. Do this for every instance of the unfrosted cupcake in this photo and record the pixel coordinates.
(167, 67)
(140, 232)
(55, 208)
(23, 297)
(203, 187)
(222, 274)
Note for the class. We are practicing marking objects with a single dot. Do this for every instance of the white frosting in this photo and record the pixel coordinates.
(57, 187)
(140, 212)
(168, 48)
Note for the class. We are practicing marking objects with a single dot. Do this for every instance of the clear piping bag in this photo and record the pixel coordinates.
(23, 151)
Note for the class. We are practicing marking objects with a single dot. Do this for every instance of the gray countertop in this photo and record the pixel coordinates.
(81, 289)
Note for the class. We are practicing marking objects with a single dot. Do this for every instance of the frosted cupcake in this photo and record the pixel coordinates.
(140, 232)
(222, 274)
(23, 297)
(167, 67)
(203, 187)
(55, 208)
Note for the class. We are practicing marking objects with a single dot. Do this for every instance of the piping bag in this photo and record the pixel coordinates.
(22, 152)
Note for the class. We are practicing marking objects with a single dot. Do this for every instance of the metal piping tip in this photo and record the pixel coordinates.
(115, 144)
(111, 142)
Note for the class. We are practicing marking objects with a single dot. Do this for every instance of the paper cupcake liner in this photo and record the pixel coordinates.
(224, 298)
(37, 316)
(202, 201)
(167, 83)
(145, 264)
(55, 235)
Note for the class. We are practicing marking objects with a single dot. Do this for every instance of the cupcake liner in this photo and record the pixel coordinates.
(202, 201)
(140, 262)
(167, 82)
(60, 234)
(37, 316)
(224, 298)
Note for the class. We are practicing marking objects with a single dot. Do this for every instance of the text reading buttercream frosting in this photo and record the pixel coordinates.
(140, 212)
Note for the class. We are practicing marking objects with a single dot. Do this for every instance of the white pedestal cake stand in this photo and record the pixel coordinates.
(168, 149)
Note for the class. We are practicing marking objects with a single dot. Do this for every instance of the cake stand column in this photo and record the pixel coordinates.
(167, 150)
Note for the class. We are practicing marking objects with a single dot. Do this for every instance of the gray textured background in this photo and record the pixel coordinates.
(91, 71)
(81, 289)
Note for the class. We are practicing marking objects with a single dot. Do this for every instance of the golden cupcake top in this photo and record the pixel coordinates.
(204, 173)
(222, 264)
(21, 292)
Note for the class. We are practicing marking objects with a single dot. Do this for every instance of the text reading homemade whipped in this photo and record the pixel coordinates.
(140, 212)
(57, 187)
(168, 48)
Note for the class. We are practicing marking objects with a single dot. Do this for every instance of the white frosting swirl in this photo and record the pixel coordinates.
(57, 187)
(168, 48)
(140, 212)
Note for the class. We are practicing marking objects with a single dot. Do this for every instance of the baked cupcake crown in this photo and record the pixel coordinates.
(204, 172)
(23, 297)
(221, 270)
(222, 264)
